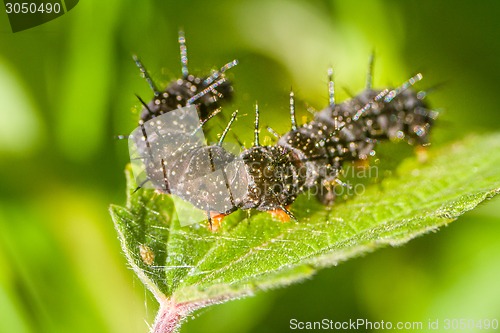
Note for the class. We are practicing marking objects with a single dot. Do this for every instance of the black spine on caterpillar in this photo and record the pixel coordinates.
(207, 92)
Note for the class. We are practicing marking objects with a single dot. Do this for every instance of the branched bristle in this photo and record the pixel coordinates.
(369, 75)
(145, 74)
(273, 132)
(331, 88)
(292, 111)
(221, 71)
(369, 105)
(184, 57)
(256, 130)
(206, 90)
(223, 135)
(204, 121)
(395, 92)
(360, 113)
(144, 104)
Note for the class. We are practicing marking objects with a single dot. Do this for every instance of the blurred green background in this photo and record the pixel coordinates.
(67, 88)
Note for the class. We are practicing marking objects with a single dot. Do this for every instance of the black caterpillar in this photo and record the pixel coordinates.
(269, 178)
(206, 92)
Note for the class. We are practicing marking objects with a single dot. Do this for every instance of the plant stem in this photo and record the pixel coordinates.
(171, 314)
(169, 317)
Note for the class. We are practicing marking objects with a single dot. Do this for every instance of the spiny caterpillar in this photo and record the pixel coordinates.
(269, 178)
(206, 92)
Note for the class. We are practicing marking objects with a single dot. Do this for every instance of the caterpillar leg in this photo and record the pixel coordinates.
(422, 153)
(361, 164)
(215, 220)
(326, 193)
(282, 214)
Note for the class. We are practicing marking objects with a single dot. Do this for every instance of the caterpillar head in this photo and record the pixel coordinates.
(180, 92)
(401, 114)
(418, 118)
(206, 92)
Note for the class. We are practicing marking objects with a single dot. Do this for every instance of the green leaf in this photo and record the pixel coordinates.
(190, 267)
